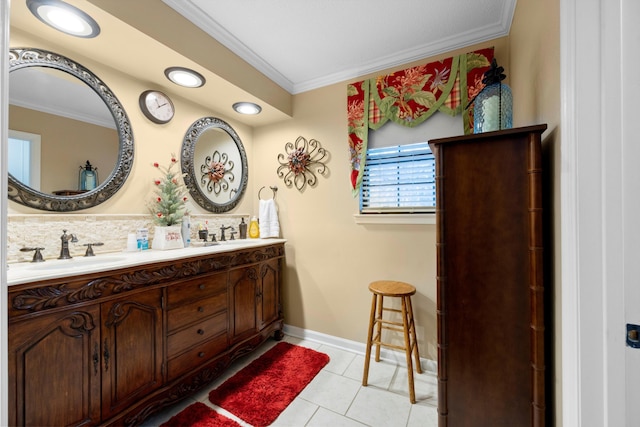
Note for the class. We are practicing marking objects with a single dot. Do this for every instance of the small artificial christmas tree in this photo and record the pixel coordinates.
(168, 207)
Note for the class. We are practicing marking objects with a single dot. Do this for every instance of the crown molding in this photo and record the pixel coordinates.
(219, 33)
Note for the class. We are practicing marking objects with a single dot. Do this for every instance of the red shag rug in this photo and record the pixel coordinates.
(199, 415)
(264, 388)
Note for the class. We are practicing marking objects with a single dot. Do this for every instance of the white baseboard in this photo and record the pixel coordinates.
(355, 347)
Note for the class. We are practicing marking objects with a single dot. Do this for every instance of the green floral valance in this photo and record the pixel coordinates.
(409, 97)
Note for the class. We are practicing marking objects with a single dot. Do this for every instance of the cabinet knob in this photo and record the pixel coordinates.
(201, 309)
(201, 286)
(201, 331)
(201, 354)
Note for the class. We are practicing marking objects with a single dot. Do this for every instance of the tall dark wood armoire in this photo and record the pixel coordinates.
(491, 327)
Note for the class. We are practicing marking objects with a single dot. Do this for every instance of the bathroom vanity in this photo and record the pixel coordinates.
(94, 343)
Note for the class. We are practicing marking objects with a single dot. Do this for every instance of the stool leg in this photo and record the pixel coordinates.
(407, 346)
(412, 329)
(378, 339)
(367, 357)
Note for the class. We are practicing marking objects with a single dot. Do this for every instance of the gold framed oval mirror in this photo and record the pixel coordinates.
(77, 118)
(214, 164)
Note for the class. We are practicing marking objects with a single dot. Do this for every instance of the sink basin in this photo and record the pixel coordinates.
(62, 264)
(246, 242)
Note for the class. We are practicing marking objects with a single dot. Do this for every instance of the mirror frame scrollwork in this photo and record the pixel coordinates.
(18, 192)
(192, 174)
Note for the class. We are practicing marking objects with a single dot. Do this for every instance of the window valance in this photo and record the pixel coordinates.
(409, 97)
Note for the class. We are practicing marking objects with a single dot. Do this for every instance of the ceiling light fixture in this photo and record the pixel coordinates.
(64, 17)
(247, 108)
(184, 77)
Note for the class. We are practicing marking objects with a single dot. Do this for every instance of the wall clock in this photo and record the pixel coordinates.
(156, 106)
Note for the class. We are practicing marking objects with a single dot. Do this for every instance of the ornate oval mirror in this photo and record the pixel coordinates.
(62, 113)
(214, 164)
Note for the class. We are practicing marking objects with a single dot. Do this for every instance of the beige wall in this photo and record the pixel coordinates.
(535, 81)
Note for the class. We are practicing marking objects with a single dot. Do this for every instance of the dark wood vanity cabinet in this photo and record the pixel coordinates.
(55, 367)
(114, 347)
(131, 349)
(255, 298)
(490, 279)
(80, 365)
(197, 321)
(268, 304)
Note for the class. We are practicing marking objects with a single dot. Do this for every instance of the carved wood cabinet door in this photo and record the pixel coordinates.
(243, 293)
(269, 293)
(131, 350)
(54, 372)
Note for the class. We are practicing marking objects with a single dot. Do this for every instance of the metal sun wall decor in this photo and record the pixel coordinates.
(301, 161)
(217, 173)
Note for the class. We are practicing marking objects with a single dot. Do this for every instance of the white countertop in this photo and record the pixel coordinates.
(26, 272)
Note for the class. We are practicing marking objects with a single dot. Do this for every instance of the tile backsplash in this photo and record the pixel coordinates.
(44, 231)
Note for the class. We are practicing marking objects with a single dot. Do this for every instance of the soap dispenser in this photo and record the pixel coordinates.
(254, 228)
(243, 229)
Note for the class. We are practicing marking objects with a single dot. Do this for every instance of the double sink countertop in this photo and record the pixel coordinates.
(25, 272)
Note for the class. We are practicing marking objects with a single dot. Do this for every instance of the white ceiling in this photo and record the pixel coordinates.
(306, 44)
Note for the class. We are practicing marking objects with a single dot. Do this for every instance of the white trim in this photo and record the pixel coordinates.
(571, 396)
(5, 7)
(612, 226)
(396, 357)
(395, 219)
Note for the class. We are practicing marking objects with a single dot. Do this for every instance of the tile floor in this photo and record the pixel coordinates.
(336, 398)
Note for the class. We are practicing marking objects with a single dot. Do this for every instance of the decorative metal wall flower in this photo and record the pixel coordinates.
(301, 161)
(217, 172)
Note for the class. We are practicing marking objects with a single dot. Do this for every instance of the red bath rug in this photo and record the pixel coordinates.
(264, 388)
(199, 415)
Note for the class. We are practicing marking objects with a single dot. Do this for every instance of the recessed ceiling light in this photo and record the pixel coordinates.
(184, 77)
(64, 17)
(247, 108)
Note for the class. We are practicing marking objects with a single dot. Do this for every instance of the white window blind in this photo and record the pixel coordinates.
(399, 179)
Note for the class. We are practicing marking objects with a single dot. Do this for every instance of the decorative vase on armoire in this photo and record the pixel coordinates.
(491, 279)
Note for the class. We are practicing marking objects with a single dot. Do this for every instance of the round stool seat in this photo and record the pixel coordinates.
(391, 288)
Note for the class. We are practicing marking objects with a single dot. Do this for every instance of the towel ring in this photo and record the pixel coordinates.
(274, 189)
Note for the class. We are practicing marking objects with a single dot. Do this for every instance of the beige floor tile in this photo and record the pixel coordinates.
(331, 391)
(375, 407)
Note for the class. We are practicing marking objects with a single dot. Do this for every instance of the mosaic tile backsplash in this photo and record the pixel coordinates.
(44, 231)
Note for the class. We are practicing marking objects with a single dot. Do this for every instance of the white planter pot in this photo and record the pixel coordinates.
(169, 237)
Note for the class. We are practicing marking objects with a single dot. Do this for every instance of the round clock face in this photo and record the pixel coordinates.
(156, 106)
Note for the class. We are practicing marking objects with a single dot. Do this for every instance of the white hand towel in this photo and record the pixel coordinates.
(268, 215)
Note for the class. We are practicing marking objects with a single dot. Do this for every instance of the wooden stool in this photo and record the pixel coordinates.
(390, 288)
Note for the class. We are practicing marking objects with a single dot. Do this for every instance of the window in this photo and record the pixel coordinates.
(399, 179)
(24, 158)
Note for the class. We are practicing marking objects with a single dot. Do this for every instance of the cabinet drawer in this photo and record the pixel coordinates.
(196, 333)
(196, 310)
(196, 356)
(196, 289)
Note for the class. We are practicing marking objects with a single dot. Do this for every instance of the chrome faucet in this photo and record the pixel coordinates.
(65, 238)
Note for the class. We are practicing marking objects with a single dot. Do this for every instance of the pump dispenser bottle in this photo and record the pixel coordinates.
(243, 229)
(254, 228)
